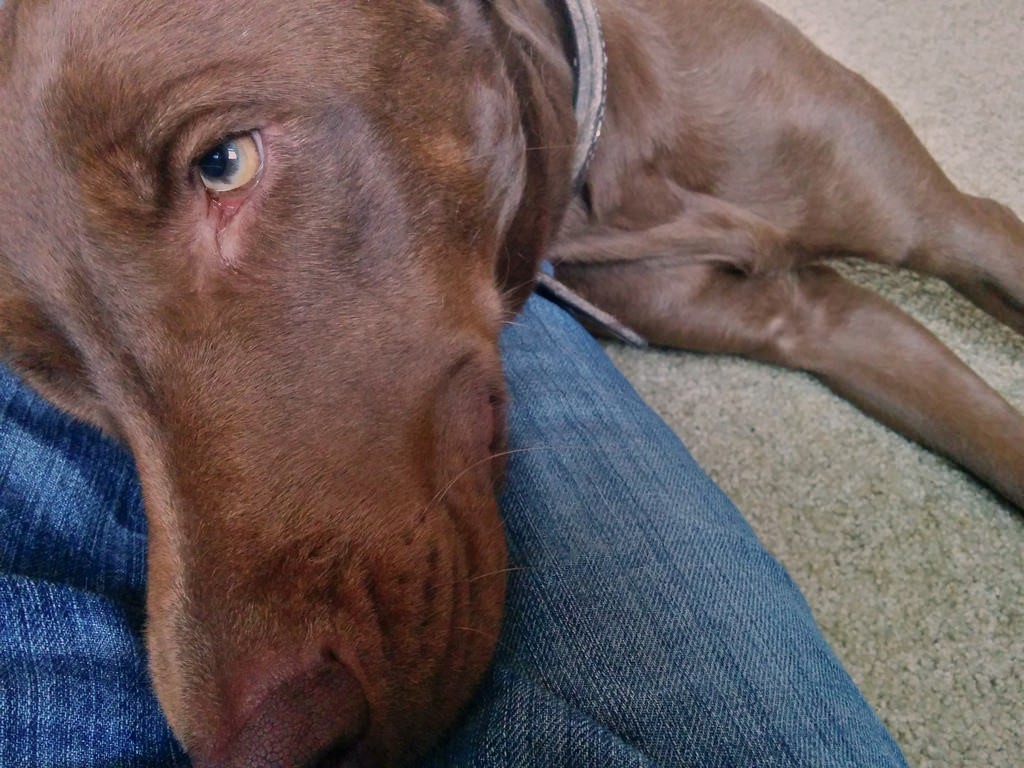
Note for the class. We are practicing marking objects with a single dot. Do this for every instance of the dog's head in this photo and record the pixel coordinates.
(270, 247)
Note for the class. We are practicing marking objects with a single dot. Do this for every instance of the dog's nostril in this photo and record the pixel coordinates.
(313, 719)
(335, 756)
(329, 655)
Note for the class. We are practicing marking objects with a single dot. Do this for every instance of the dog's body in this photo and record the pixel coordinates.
(809, 162)
(318, 480)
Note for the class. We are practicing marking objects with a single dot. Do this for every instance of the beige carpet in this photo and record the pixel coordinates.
(915, 572)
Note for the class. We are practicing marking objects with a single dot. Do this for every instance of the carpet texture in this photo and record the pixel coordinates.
(914, 571)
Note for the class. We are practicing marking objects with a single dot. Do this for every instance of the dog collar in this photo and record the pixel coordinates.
(590, 87)
(590, 81)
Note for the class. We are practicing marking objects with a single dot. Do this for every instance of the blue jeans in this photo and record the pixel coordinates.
(646, 624)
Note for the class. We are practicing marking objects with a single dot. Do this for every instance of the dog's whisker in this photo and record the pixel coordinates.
(542, 148)
(491, 457)
(492, 637)
(490, 575)
(549, 147)
(517, 287)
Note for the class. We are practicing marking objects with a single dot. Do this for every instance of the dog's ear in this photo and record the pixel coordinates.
(533, 46)
(36, 350)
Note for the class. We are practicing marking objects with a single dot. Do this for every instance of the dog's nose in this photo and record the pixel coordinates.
(313, 717)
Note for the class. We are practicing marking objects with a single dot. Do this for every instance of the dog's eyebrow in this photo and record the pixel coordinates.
(216, 88)
(146, 113)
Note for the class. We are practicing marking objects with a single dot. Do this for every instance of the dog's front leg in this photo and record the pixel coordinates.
(859, 344)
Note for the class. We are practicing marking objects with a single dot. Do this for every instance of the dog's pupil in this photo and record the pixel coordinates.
(219, 162)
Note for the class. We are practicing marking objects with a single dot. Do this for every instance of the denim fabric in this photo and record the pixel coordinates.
(646, 625)
(74, 690)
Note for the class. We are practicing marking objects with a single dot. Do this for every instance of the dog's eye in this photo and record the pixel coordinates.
(232, 164)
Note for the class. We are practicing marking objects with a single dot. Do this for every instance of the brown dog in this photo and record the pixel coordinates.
(272, 250)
